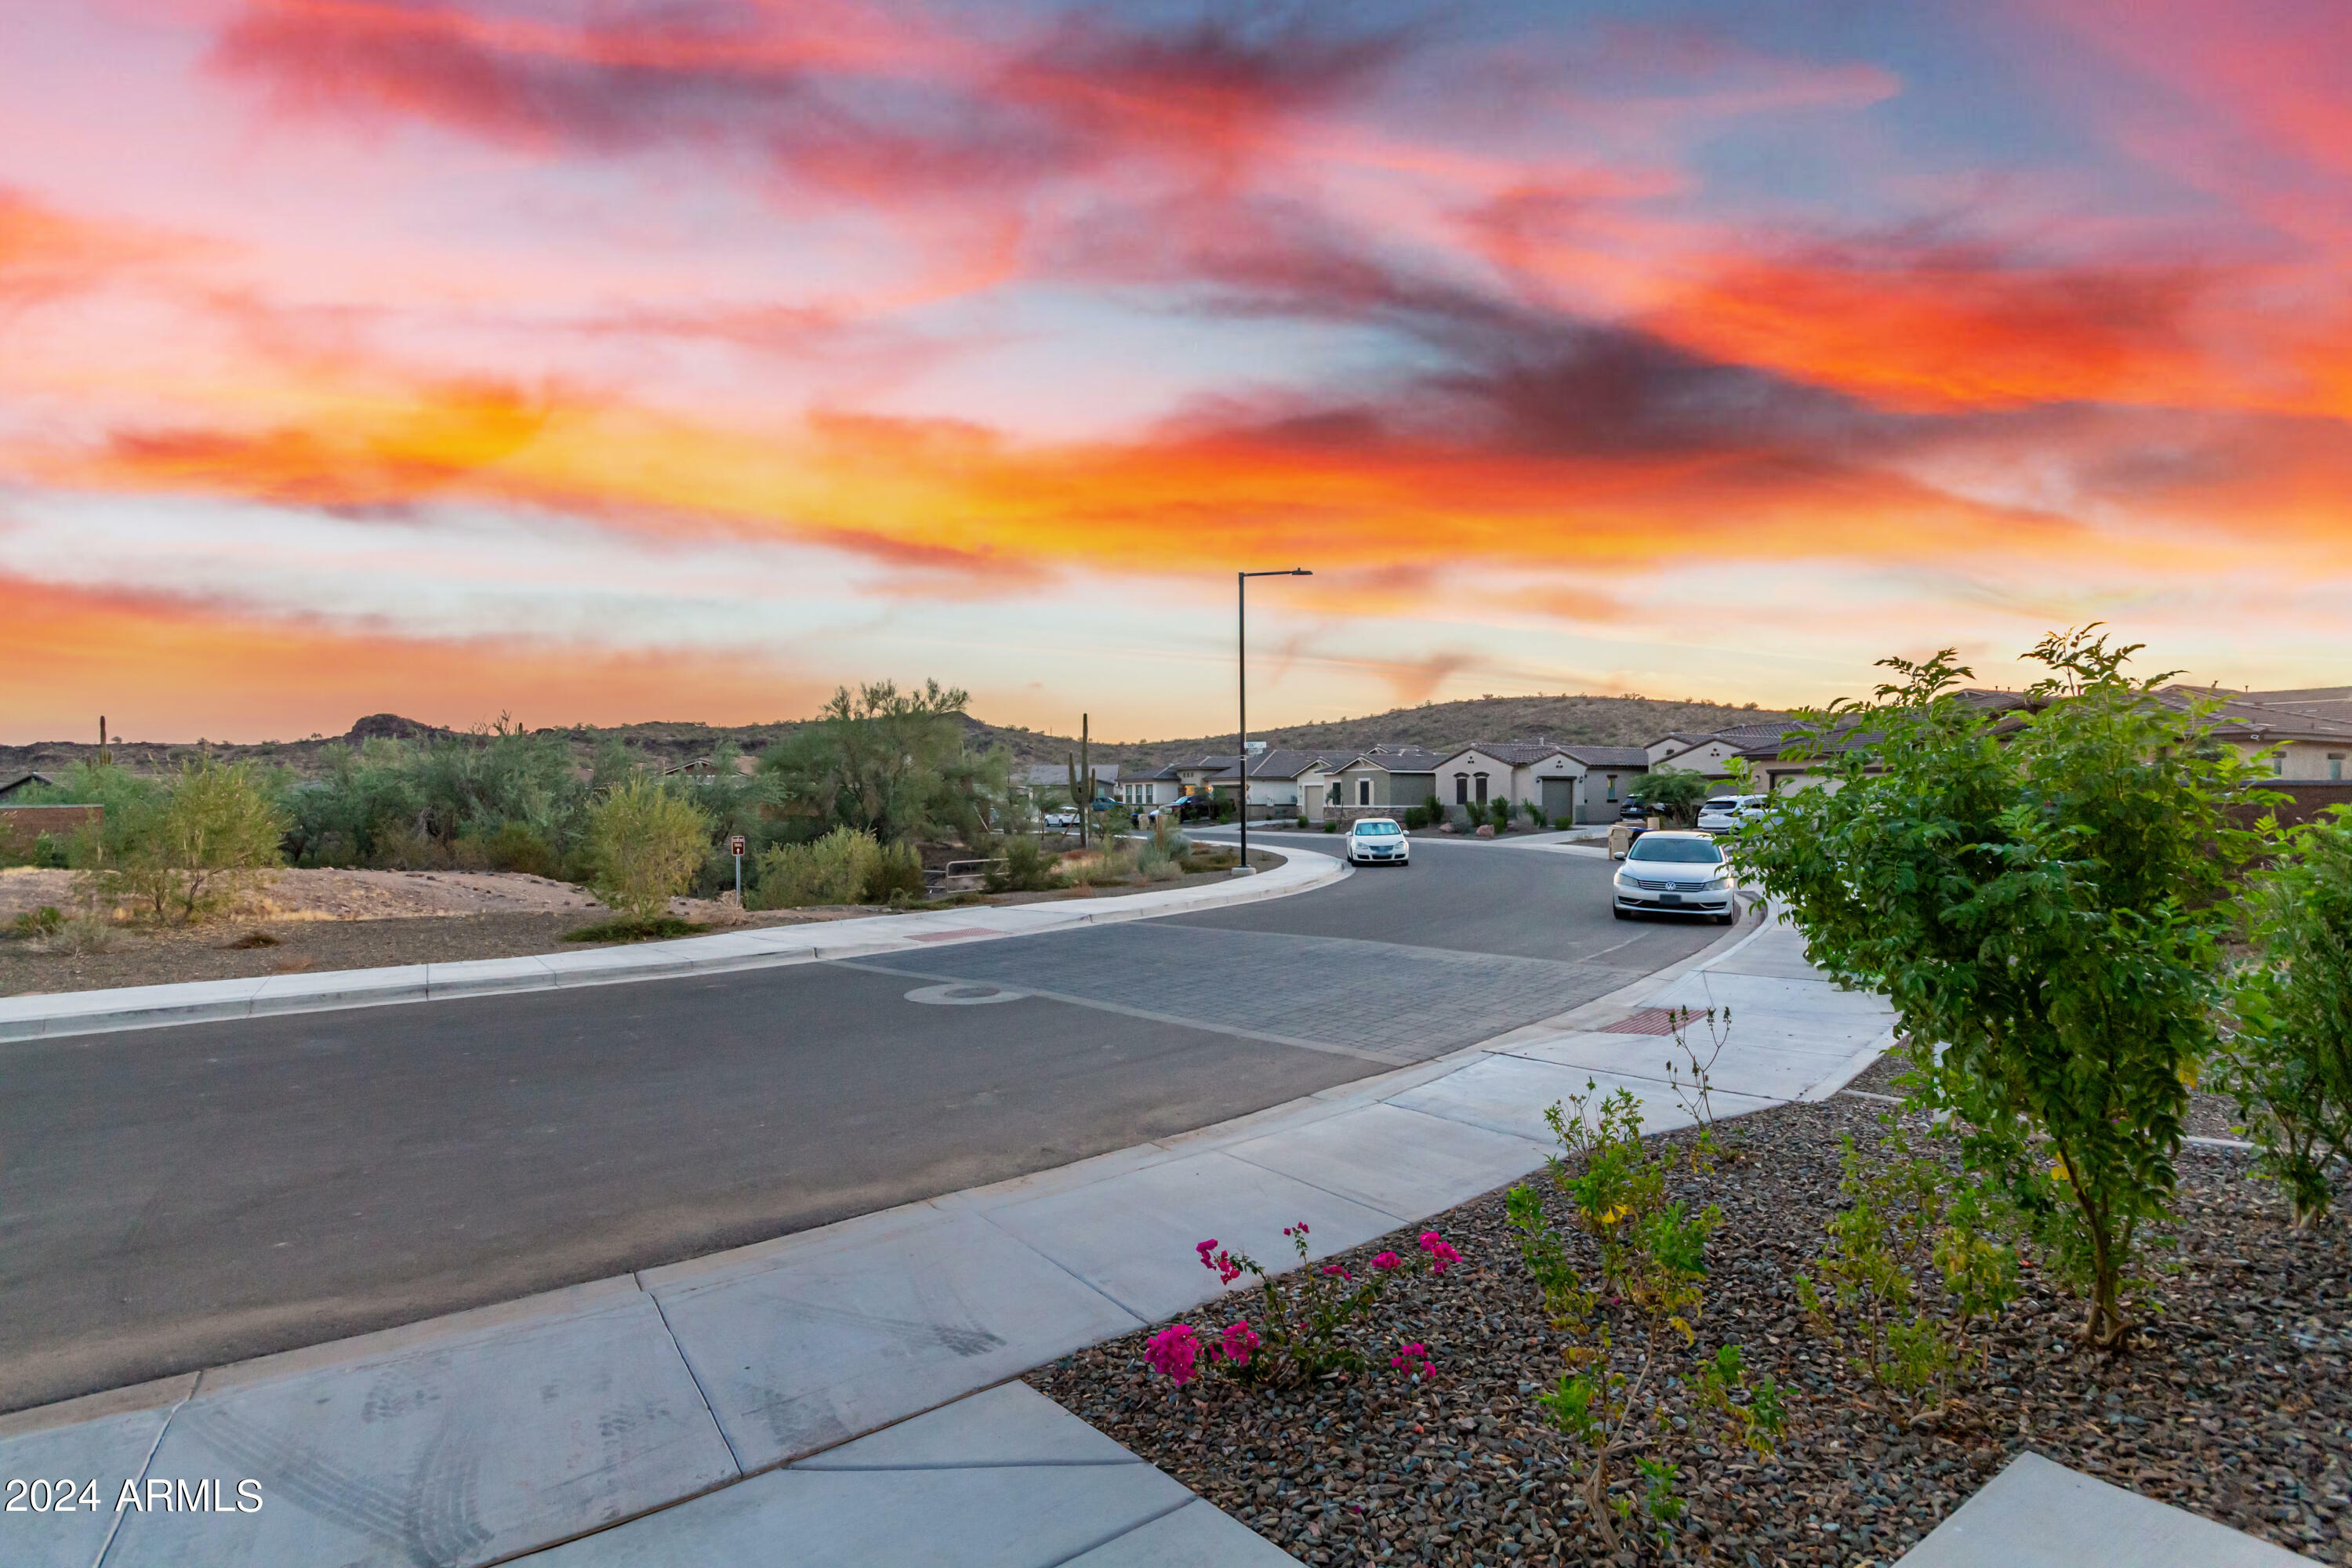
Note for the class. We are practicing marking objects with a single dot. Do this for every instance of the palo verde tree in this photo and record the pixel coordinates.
(2040, 885)
(888, 762)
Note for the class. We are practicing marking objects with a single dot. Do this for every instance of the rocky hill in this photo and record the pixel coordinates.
(1594, 721)
(1572, 719)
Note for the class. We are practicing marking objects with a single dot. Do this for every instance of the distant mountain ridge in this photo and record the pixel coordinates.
(1439, 726)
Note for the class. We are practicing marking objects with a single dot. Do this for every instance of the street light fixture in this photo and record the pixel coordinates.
(1241, 671)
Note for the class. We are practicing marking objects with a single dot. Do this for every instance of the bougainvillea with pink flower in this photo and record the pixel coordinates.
(1305, 1327)
(1413, 1360)
(1174, 1352)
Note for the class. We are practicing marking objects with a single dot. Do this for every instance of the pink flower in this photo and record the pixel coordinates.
(1441, 1252)
(1388, 1260)
(1204, 1248)
(1299, 1229)
(1334, 1268)
(1172, 1351)
(1239, 1339)
(1414, 1361)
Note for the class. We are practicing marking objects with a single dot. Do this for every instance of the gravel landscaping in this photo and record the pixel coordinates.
(2237, 1406)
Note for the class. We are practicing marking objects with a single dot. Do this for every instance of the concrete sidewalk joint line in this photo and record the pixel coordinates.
(57, 1014)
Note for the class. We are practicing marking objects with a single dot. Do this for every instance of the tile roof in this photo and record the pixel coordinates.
(1517, 754)
(1400, 759)
(1609, 756)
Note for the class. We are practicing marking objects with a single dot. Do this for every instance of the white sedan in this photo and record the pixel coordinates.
(1378, 841)
(1675, 874)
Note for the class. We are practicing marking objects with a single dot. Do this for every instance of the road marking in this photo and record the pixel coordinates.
(1386, 1058)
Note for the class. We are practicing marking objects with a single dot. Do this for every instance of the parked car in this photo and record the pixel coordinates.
(1196, 808)
(1724, 813)
(1673, 872)
(1378, 841)
(1059, 821)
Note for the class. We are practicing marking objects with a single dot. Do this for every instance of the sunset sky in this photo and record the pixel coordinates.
(679, 359)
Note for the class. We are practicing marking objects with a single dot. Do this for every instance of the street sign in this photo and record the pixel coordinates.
(735, 845)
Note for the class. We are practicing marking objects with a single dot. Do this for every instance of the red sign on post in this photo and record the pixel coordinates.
(735, 845)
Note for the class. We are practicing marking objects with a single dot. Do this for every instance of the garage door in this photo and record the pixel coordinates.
(1558, 798)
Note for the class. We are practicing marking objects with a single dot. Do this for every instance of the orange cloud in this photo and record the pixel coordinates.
(170, 668)
(1954, 328)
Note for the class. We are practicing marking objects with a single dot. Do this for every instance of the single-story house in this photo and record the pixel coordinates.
(2301, 746)
(1163, 786)
(1569, 784)
(1609, 775)
(1283, 782)
(1382, 782)
(24, 782)
(1054, 779)
(1709, 755)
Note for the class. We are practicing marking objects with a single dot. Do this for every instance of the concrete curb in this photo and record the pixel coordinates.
(54, 1014)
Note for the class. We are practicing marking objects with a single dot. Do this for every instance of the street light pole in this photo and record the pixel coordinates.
(1241, 676)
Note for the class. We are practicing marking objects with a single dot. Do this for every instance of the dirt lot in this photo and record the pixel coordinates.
(307, 920)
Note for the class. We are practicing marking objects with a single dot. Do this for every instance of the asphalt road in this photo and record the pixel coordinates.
(180, 1197)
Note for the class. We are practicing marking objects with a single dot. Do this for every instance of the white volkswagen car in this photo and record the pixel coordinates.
(1674, 873)
(1378, 841)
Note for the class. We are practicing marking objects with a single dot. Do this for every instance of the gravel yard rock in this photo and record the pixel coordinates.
(2237, 1406)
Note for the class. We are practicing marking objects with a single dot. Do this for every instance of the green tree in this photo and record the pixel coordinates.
(2041, 888)
(646, 843)
(187, 853)
(890, 763)
(2290, 1064)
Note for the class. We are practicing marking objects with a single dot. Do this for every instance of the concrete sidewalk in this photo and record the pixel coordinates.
(48, 1014)
(488, 1435)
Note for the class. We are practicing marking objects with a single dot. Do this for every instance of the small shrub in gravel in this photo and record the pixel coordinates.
(1631, 1332)
(1910, 1224)
(2289, 1066)
(2237, 1406)
(1306, 1321)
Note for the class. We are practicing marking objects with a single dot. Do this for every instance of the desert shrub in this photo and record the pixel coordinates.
(835, 869)
(1024, 866)
(645, 842)
(896, 874)
(517, 846)
(413, 804)
(633, 928)
(1116, 864)
(1498, 812)
(47, 920)
(1630, 1324)
(1160, 857)
(84, 931)
(2289, 1064)
(1915, 1258)
(1536, 815)
(2042, 892)
(186, 853)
